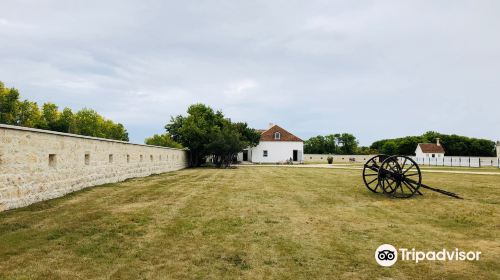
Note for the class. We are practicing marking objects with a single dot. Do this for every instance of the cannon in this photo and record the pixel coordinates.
(396, 176)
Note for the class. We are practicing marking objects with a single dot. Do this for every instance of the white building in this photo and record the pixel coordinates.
(430, 150)
(276, 145)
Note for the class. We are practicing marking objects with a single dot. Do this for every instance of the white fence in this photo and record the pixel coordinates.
(459, 161)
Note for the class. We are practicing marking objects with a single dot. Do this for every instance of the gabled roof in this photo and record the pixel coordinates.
(268, 135)
(431, 148)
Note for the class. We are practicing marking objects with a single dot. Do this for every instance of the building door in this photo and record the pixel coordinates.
(245, 155)
(295, 155)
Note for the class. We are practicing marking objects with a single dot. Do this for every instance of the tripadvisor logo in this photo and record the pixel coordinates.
(387, 255)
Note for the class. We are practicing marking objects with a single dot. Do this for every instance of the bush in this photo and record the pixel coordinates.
(330, 160)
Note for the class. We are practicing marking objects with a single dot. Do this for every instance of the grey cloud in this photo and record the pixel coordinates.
(374, 68)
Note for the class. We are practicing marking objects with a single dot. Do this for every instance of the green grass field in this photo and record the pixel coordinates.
(251, 223)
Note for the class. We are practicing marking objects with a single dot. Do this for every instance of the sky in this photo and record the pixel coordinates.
(376, 69)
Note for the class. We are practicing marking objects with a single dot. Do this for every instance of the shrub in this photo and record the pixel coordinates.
(330, 160)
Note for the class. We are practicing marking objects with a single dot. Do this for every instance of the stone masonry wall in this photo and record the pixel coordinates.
(319, 158)
(37, 165)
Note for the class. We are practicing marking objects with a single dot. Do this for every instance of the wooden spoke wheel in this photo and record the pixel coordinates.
(400, 177)
(370, 173)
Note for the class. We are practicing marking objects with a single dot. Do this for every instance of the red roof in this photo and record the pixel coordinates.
(431, 148)
(268, 135)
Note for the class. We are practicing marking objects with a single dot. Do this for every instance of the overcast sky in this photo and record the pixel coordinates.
(377, 69)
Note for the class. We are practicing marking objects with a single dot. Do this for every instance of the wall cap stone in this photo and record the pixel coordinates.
(21, 128)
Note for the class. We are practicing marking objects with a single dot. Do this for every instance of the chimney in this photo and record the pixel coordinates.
(271, 124)
(437, 142)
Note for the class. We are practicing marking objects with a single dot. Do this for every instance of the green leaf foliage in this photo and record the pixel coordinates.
(208, 134)
(454, 145)
(340, 143)
(164, 140)
(25, 113)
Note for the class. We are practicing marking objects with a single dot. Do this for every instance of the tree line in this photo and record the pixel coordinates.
(454, 145)
(14, 111)
(340, 143)
(347, 144)
(208, 135)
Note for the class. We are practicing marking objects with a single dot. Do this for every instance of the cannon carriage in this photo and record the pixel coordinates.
(396, 176)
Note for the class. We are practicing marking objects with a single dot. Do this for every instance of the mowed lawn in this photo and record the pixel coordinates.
(251, 223)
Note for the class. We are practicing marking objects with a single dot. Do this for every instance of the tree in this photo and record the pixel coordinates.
(321, 145)
(66, 121)
(331, 144)
(9, 105)
(195, 131)
(347, 143)
(343, 143)
(164, 140)
(50, 115)
(229, 140)
(88, 122)
(249, 136)
(207, 133)
(389, 148)
(28, 114)
(114, 131)
(366, 151)
(315, 145)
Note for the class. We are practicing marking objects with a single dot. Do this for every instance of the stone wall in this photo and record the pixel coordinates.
(37, 165)
(319, 158)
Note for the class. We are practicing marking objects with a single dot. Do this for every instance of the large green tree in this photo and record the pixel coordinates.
(206, 133)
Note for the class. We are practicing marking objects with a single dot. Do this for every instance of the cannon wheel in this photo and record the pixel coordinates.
(400, 177)
(370, 173)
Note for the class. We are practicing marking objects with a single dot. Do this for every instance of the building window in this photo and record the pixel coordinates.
(433, 155)
(151, 157)
(52, 160)
(277, 136)
(141, 158)
(265, 153)
(87, 158)
(110, 158)
(128, 158)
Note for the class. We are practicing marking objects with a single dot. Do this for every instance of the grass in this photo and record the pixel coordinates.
(251, 223)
